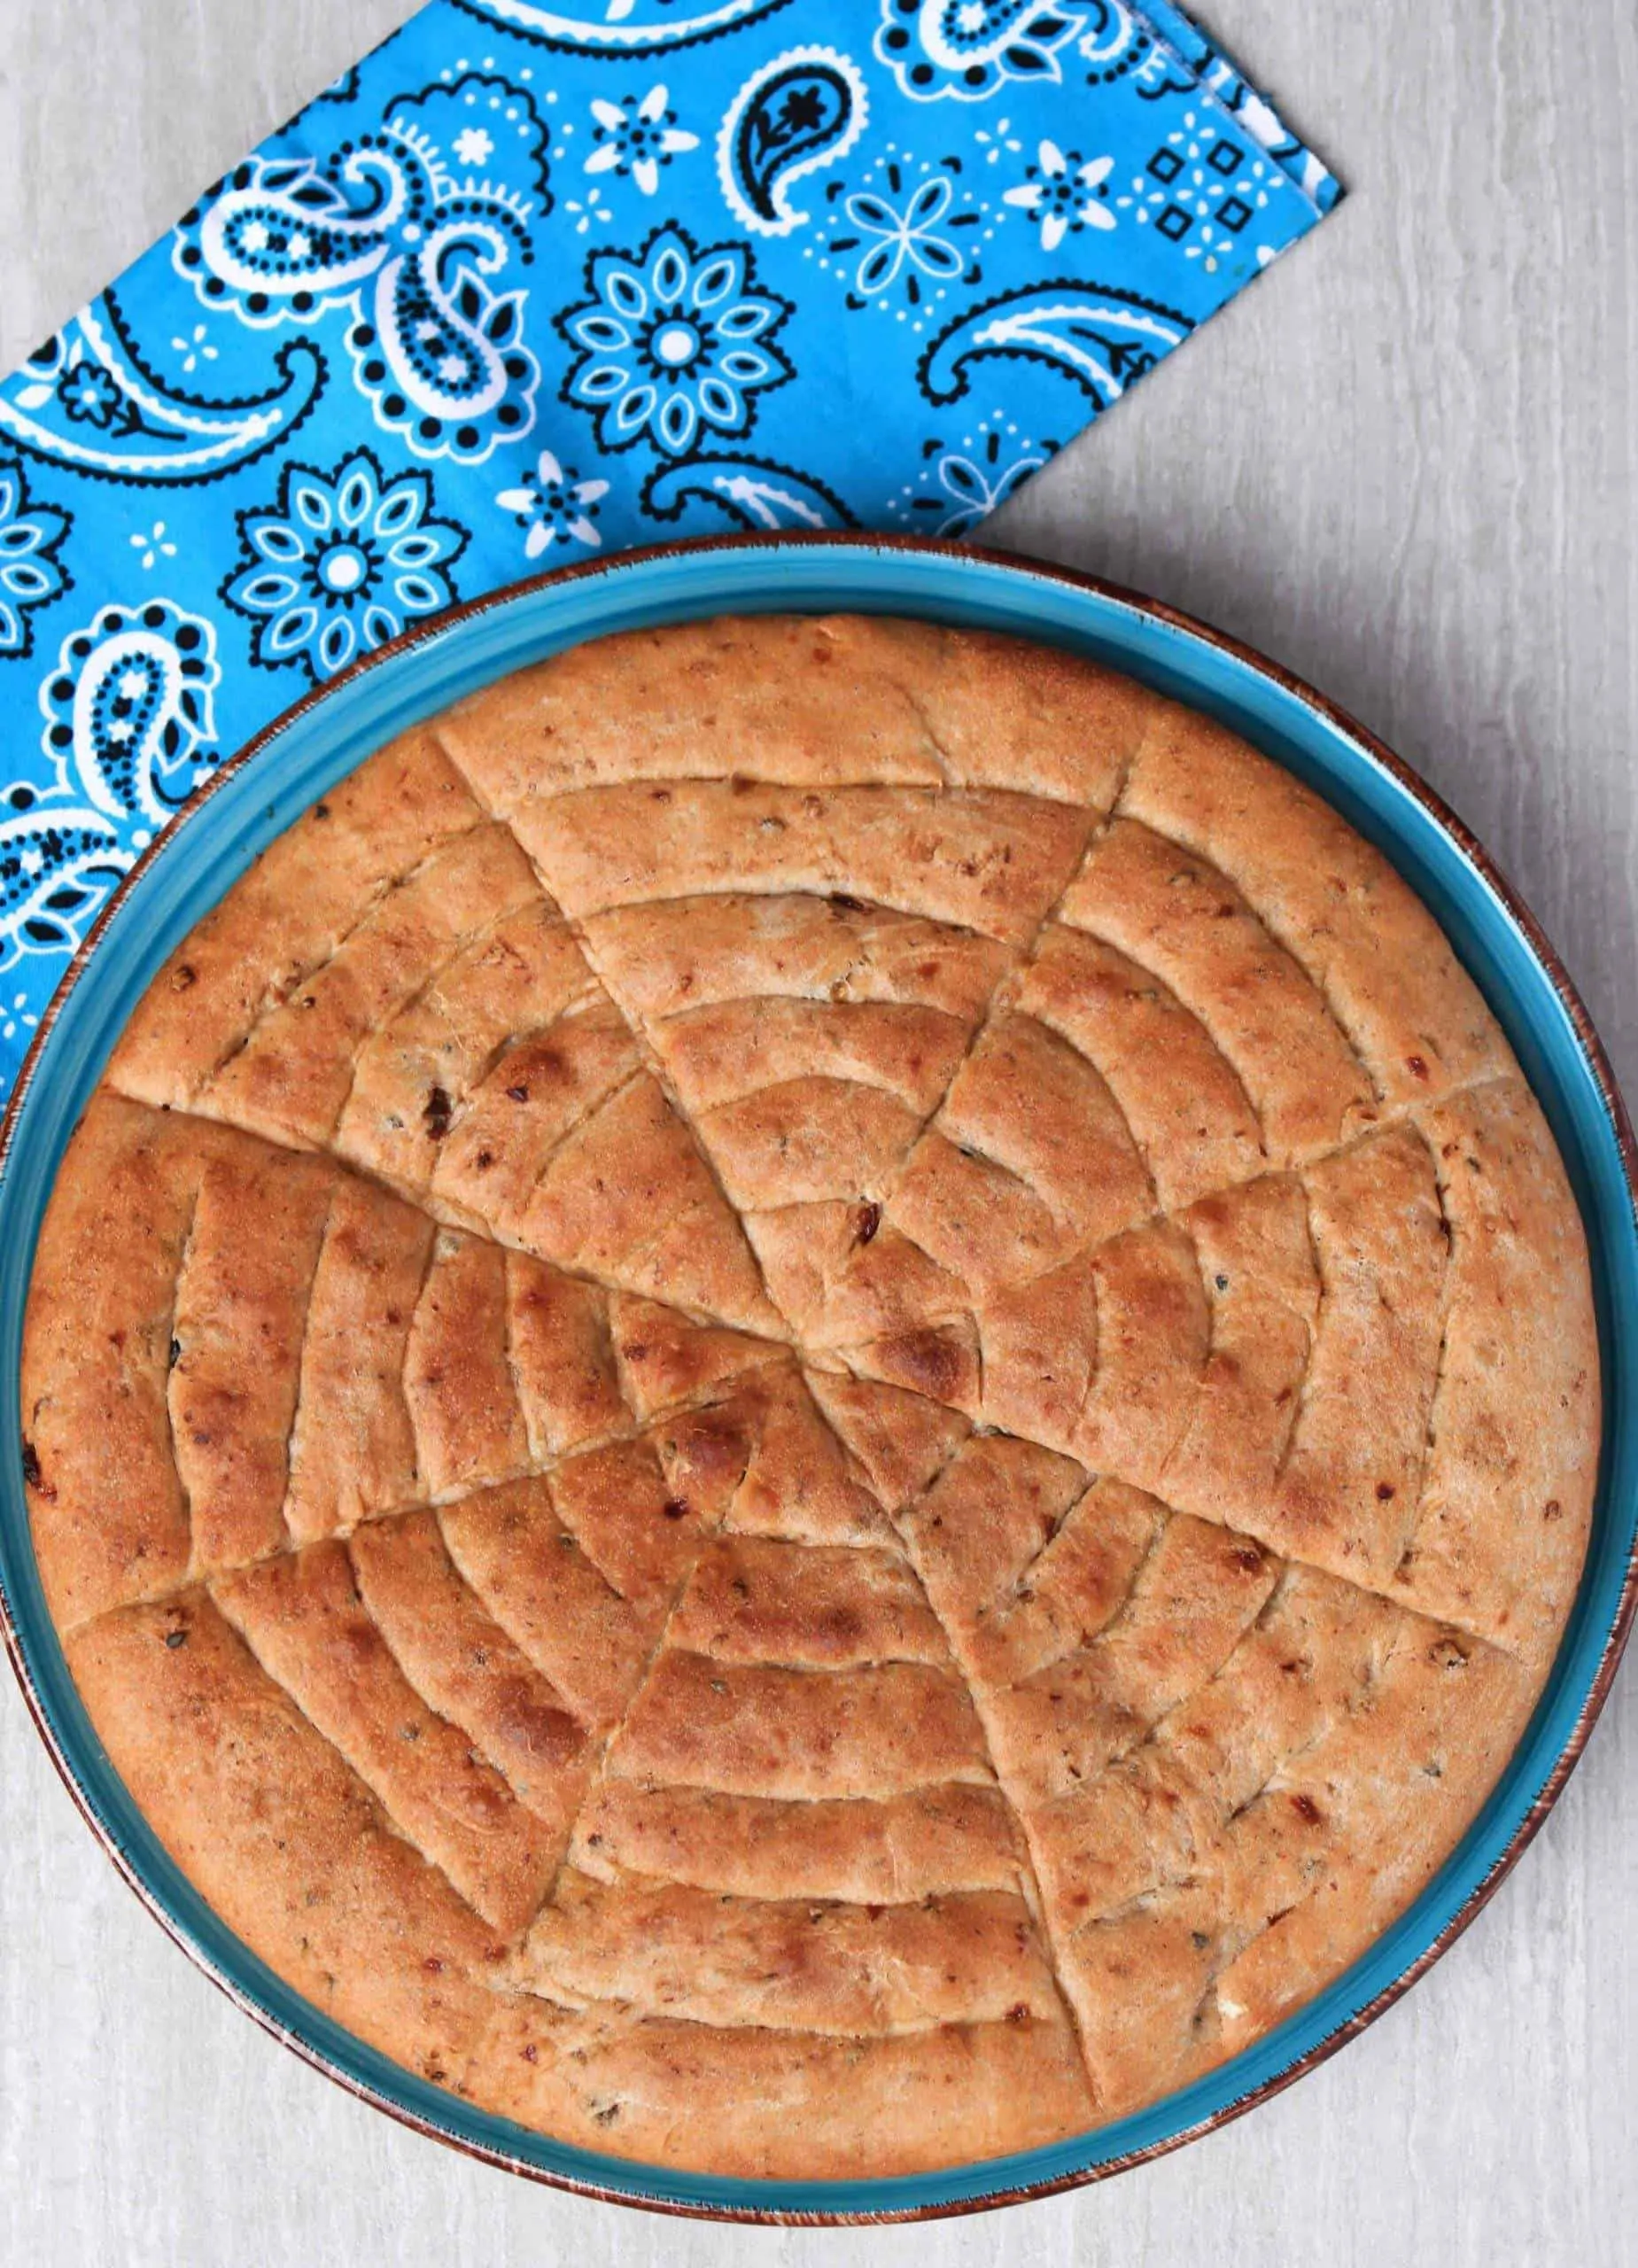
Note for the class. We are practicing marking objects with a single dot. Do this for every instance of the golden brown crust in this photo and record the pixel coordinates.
(266, 1819)
(460, 1659)
(1365, 939)
(804, 704)
(816, 1399)
(791, 1965)
(109, 1514)
(1514, 1419)
(238, 1332)
(1221, 1765)
(860, 1851)
(310, 891)
(782, 2105)
(303, 1619)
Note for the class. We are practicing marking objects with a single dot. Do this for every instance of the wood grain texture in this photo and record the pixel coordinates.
(1405, 464)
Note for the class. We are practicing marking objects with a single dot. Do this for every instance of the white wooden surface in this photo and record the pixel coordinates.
(1406, 463)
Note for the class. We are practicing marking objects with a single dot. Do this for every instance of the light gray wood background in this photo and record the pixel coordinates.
(1406, 464)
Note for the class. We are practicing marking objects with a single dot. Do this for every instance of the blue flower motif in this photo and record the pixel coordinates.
(342, 564)
(555, 507)
(31, 575)
(673, 339)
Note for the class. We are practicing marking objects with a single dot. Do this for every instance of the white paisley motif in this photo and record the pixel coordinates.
(388, 227)
(618, 26)
(130, 711)
(769, 504)
(130, 732)
(57, 862)
(1101, 340)
(969, 49)
(83, 401)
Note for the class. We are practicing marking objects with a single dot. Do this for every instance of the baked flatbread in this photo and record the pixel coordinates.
(814, 1400)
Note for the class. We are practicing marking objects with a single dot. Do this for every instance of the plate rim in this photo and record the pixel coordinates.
(652, 2196)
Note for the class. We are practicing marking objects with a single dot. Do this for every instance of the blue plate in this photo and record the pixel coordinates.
(205, 850)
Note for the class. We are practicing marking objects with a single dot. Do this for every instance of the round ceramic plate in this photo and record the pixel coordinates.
(293, 764)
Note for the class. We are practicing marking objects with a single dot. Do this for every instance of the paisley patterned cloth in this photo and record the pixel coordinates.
(544, 276)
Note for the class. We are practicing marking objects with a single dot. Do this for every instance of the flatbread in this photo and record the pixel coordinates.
(815, 1399)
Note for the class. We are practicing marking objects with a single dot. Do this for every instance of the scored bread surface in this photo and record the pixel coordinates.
(813, 1400)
